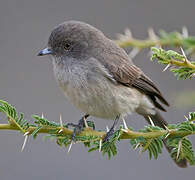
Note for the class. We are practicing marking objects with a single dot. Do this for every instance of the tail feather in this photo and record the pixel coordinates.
(159, 121)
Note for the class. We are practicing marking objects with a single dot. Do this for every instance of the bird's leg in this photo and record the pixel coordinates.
(79, 127)
(111, 131)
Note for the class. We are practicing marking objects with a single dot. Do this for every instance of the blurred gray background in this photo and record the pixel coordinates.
(27, 82)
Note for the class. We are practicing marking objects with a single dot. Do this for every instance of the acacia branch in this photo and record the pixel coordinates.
(172, 58)
(147, 43)
(126, 134)
(181, 66)
(151, 137)
(175, 39)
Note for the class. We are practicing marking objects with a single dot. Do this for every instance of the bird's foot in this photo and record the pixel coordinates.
(108, 135)
(80, 126)
(111, 131)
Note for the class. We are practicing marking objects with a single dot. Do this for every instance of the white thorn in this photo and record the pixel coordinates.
(25, 141)
(185, 32)
(185, 117)
(151, 122)
(166, 128)
(167, 136)
(61, 124)
(60, 131)
(183, 53)
(168, 65)
(154, 37)
(85, 122)
(26, 133)
(70, 146)
(133, 53)
(42, 116)
(124, 130)
(107, 129)
(128, 33)
(138, 144)
(121, 37)
(125, 124)
(152, 34)
(100, 145)
(179, 148)
(126, 36)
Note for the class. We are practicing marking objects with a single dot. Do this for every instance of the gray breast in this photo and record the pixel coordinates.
(92, 90)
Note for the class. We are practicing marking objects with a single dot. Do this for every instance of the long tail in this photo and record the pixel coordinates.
(159, 121)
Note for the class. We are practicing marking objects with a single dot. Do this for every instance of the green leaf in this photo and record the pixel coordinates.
(12, 116)
(186, 150)
(167, 57)
(35, 132)
(191, 117)
(44, 121)
(153, 146)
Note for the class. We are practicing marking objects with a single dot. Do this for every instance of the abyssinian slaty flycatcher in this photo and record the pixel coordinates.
(100, 79)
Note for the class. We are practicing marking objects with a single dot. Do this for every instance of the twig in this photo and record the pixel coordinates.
(175, 39)
(128, 134)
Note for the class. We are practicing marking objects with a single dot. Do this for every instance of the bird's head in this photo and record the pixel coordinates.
(73, 39)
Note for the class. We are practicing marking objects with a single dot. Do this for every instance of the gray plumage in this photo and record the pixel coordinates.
(98, 77)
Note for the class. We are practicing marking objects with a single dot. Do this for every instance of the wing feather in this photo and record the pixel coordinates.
(122, 69)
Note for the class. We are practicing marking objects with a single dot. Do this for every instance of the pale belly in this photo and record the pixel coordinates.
(103, 101)
(97, 96)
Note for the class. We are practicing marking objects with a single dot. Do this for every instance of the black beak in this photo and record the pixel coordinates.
(44, 52)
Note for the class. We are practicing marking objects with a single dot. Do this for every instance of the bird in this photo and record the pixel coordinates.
(99, 78)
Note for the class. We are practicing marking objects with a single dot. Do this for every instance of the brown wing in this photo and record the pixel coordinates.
(125, 72)
(132, 76)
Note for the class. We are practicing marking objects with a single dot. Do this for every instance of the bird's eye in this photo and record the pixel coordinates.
(67, 46)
